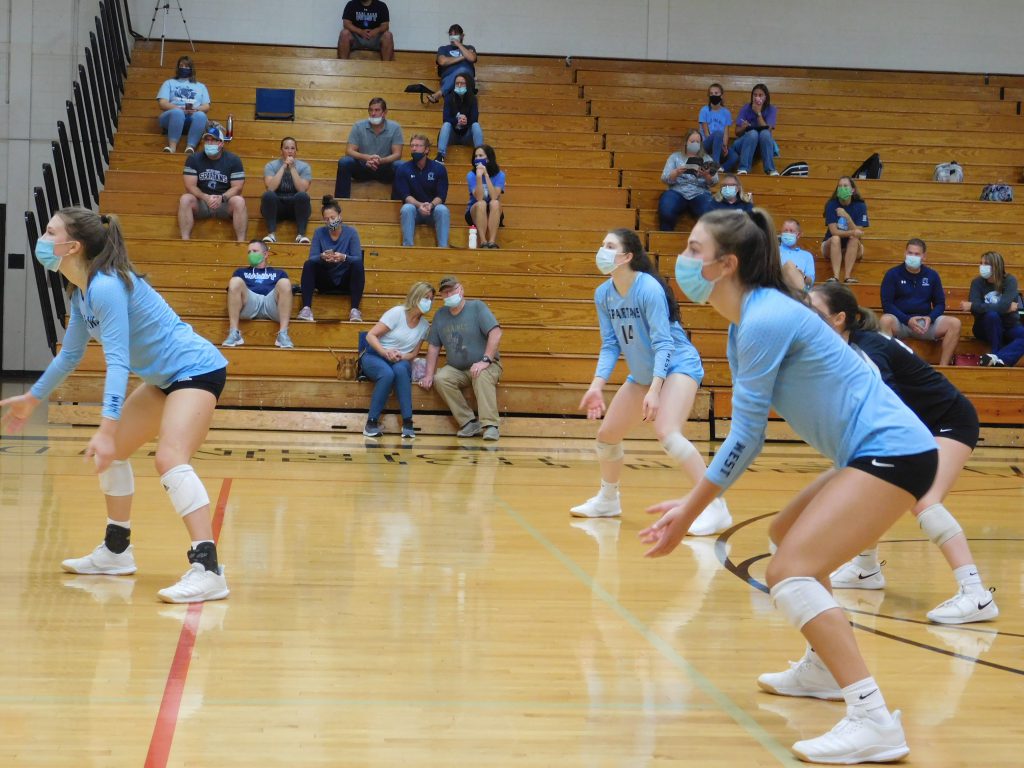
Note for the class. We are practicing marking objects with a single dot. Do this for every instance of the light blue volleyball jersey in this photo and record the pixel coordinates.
(784, 356)
(637, 326)
(139, 332)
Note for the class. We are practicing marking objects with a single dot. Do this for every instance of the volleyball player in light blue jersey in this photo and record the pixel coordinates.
(783, 356)
(639, 320)
(182, 378)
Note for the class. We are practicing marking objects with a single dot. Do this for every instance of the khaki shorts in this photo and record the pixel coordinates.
(203, 210)
(903, 331)
(259, 307)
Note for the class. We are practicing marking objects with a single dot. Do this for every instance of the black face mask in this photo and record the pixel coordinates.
(417, 156)
(715, 99)
(184, 72)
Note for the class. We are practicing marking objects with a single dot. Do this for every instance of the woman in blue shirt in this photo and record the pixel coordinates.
(952, 420)
(335, 263)
(486, 184)
(715, 120)
(184, 103)
(639, 319)
(755, 125)
(846, 218)
(461, 117)
(783, 356)
(182, 378)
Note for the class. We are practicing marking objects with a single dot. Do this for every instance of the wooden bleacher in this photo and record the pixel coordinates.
(580, 161)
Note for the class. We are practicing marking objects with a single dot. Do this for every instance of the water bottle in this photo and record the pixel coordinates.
(472, 237)
(231, 128)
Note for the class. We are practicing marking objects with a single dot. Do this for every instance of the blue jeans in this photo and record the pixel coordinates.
(411, 216)
(1007, 343)
(743, 149)
(173, 122)
(672, 205)
(385, 377)
(713, 145)
(474, 137)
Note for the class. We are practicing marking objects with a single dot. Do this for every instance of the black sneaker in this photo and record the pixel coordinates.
(992, 360)
(439, 157)
(372, 430)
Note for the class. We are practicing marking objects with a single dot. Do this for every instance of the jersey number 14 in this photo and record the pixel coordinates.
(627, 334)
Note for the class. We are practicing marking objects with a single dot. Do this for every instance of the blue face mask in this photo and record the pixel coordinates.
(729, 191)
(453, 301)
(417, 156)
(788, 239)
(424, 305)
(460, 90)
(480, 161)
(690, 276)
(912, 260)
(46, 256)
(211, 150)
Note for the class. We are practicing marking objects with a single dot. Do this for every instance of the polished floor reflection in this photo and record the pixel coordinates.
(435, 605)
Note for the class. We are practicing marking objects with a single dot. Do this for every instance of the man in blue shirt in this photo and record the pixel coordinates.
(259, 292)
(422, 186)
(914, 303)
(797, 264)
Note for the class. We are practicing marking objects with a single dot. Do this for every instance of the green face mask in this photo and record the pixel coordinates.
(255, 257)
(844, 193)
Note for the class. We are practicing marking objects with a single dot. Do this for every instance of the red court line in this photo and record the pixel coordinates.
(167, 717)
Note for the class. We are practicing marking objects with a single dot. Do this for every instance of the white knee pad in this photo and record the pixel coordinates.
(938, 524)
(609, 451)
(118, 479)
(678, 447)
(185, 489)
(801, 598)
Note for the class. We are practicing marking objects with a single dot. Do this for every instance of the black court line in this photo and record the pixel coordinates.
(742, 571)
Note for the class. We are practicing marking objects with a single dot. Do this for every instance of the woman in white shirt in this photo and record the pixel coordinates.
(391, 346)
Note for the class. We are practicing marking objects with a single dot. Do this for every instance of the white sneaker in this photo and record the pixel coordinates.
(598, 507)
(355, 316)
(965, 608)
(305, 314)
(270, 238)
(856, 740)
(196, 586)
(852, 576)
(807, 677)
(102, 561)
(714, 519)
(234, 339)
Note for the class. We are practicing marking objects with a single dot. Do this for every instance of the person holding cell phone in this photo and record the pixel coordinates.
(185, 102)
(689, 175)
(335, 263)
(755, 126)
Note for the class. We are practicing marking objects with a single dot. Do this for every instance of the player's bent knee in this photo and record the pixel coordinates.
(609, 451)
(185, 489)
(938, 524)
(801, 598)
(678, 447)
(118, 479)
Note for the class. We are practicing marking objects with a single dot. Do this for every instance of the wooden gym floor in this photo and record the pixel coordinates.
(435, 605)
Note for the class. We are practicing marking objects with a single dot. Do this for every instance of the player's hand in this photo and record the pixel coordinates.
(101, 450)
(19, 409)
(652, 400)
(668, 531)
(593, 403)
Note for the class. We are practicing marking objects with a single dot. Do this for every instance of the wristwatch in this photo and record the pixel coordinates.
(486, 359)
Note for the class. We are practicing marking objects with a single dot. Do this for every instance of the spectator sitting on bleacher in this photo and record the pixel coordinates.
(846, 218)
(754, 127)
(486, 184)
(287, 194)
(213, 187)
(391, 346)
(994, 301)
(455, 58)
(689, 176)
(335, 263)
(731, 195)
(259, 292)
(366, 26)
(797, 264)
(715, 120)
(461, 117)
(184, 102)
(422, 186)
(914, 303)
(374, 147)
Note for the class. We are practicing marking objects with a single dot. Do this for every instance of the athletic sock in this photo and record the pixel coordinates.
(968, 578)
(609, 491)
(864, 699)
(867, 560)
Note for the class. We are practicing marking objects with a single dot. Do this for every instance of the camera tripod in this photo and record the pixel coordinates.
(166, 8)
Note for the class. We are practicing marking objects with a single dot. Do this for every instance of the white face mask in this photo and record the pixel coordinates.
(912, 260)
(985, 270)
(455, 38)
(376, 120)
(605, 260)
(424, 305)
(453, 301)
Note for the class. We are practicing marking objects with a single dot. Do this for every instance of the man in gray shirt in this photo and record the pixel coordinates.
(374, 146)
(470, 335)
